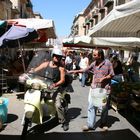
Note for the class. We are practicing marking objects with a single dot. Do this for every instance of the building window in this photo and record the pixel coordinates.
(102, 11)
(108, 2)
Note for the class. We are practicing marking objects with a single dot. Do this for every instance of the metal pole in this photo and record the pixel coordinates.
(23, 63)
(115, 3)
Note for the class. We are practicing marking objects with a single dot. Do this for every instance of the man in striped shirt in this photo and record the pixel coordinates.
(102, 70)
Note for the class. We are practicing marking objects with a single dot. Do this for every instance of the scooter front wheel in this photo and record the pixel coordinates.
(25, 128)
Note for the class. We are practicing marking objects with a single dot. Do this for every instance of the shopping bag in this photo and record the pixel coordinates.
(98, 96)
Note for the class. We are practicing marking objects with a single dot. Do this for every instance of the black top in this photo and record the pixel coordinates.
(118, 69)
(52, 73)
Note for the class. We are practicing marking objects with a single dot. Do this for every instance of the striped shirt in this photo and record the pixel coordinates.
(100, 71)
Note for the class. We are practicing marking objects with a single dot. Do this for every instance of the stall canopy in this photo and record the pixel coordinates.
(128, 43)
(44, 27)
(122, 21)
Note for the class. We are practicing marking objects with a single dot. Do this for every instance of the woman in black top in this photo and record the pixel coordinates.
(118, 70)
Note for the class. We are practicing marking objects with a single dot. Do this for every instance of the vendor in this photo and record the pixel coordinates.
(133, 70)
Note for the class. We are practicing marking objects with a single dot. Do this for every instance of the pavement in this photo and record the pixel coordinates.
(119, 127)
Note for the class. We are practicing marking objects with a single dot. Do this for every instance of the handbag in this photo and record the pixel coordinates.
(98, 96)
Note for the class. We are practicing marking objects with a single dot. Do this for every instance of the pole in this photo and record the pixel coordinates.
(23, 63)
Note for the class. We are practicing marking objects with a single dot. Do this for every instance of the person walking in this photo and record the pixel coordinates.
(102, 73)
(68, 60)
(84, 63)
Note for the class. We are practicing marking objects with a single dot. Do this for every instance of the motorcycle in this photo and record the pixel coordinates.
(38, 101)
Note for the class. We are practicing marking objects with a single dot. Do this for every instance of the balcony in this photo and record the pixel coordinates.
(101, 10)
(91, 20)
(29, 5)
(84, 25)
(95, 15)
(108, 2)
(15, 9)
(87, 21)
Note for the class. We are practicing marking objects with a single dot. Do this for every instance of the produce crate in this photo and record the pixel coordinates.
(118, 103)
(135, 106)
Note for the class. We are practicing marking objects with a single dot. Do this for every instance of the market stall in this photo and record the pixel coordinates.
(126, 96)
(122, 95)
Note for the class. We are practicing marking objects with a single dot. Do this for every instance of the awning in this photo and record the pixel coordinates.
(45, 27)
(122, 21)
(127, 43)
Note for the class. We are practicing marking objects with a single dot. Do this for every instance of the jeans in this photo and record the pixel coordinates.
(91, 120)
(118, 78)
(84, 77)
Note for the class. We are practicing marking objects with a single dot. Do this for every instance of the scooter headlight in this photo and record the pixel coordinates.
(36, 86)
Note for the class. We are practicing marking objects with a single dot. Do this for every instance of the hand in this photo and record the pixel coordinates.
(52, 86)
(99, 80)
(31, 70)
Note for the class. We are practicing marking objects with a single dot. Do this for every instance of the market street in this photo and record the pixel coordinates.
(119, 127)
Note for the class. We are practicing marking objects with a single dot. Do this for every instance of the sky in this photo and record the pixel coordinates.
(62, 12)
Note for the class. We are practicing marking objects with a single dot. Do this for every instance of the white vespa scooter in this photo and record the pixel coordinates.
(38, 101)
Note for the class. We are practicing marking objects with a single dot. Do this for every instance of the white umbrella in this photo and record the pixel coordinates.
(41, 25)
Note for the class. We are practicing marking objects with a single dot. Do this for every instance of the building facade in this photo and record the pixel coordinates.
(92, 15)
(13, 9)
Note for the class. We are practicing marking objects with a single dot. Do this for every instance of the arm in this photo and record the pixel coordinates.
(109, 75)
(82, 70)
(62, 76)
(40, 67)
(75, 71)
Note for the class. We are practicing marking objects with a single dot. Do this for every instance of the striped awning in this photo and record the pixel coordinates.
(122, 21)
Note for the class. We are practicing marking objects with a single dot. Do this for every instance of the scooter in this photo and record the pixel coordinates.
(38, 101)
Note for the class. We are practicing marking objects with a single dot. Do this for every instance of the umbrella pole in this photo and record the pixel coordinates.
(23, 63)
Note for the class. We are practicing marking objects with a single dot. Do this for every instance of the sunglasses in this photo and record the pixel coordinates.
(57, 56)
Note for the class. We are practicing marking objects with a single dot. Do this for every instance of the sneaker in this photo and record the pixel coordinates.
(86, 128)
(65, 126)
(105, 128)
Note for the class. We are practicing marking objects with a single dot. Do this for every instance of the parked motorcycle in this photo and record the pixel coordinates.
(38, 101)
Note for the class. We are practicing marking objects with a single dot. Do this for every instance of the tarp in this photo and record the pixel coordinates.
(43, 26)
(122, 21)
(128, 43)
